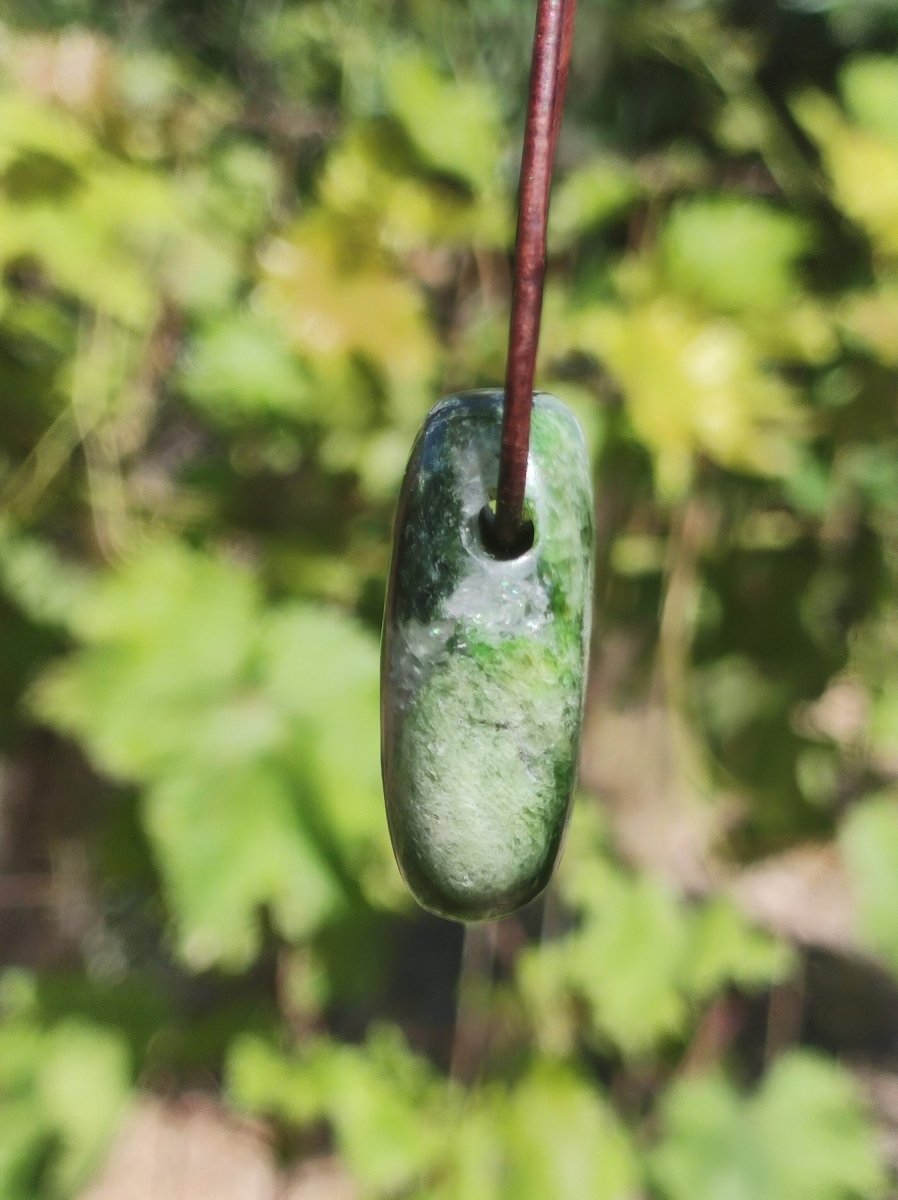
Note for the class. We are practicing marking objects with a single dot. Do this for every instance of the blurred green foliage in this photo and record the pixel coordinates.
(242, 249)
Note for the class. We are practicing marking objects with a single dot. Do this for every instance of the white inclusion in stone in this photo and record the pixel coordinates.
(419, 647)
(473, 463)
(496, 606)
(494, 600)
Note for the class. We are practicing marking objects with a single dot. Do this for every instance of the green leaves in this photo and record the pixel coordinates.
(115, 207)
(562, 1140)
(696, 386)
(74, 1052)
(861, 158)
(732, 253)
(166, 637)
(253, 733)
(323, 675)
(803, 1133)
(386, 1107)
(636, 1001)
(705, 1148)
(240, 368)
(453, 124)
(229, 842)
(323, 296)
(62, 1094)
(588, 197)
(869, 842)
(134, 223)
(397, 1128)
(870, 87)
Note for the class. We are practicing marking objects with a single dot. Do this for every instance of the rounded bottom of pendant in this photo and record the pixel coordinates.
(475, 909)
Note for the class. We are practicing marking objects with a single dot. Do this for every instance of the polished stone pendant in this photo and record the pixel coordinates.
(484, 660)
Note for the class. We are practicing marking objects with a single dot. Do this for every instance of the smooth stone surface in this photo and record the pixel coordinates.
(484, 661)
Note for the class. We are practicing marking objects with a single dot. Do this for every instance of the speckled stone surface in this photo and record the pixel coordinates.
(484, 661)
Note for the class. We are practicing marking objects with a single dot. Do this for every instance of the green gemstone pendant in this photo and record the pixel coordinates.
(484, 660)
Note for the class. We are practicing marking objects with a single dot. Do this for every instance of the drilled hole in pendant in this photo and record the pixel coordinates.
(524, 539)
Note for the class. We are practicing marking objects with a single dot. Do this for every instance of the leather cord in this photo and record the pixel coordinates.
(548, 84)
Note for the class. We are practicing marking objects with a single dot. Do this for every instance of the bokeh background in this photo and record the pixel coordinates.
(244, 245)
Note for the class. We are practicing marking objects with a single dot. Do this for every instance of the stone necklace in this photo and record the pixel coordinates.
(487, 621)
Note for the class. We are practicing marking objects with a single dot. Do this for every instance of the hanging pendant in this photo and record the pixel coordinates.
(486, 630)
(484, 659)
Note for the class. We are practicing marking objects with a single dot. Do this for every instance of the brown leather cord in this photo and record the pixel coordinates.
(548, 83)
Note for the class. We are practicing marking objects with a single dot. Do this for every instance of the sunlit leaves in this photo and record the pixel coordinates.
(62, 1094)
(322, 674)
(387, 1109)
(636, 1001)
(561, 1139)
(862, 167)
(141, 232)
(374, 1100)
(47, 589)
(253, 731)
(706, 1148)
(871, 319)
(588, 197)
(693, 339)
(325, 50)
(803, 1133)
(423, 170)
(733, 253)
(72, 1052)
(550, 1133)
(118, 210)
(454, 125)
(229, 841)
(323, 285)
(723, 948)
(167, 636)
(371, 178)
(241, 367)
(869, 841)
(696, 386)
(870, 88)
